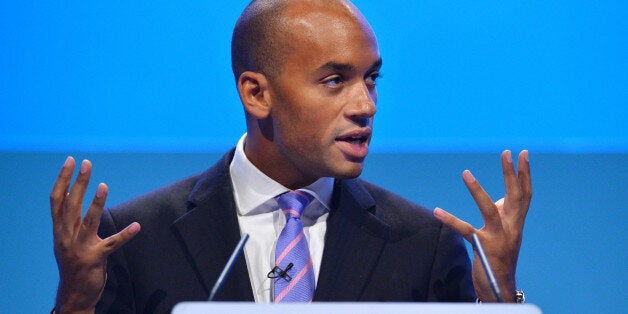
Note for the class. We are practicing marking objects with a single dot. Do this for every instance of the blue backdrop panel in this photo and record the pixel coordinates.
(155, 75)
(572, 259)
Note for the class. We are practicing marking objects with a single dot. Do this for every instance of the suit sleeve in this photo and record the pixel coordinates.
(118, 295)
(451, 270)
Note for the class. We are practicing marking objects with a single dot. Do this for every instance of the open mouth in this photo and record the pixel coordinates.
(355, 140)
(354, 145)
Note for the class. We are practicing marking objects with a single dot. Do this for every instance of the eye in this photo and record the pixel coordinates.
(372, 78)
(333, 81)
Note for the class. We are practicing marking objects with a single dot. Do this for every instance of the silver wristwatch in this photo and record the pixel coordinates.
(520, 297)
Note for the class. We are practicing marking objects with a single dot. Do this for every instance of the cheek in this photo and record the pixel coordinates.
(297, 131)
(309, 135)
(310, 138)
(309, 122)
(321, 127)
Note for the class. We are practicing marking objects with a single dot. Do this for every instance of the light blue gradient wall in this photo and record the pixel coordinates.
(573, 258)
(144, 90)
(458, 76)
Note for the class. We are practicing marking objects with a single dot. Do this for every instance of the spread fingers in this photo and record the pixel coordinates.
(89, 227)
(461, 227)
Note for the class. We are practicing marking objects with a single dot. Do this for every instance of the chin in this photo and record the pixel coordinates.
(349, 172)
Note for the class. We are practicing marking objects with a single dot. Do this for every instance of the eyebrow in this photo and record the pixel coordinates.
(336, 66)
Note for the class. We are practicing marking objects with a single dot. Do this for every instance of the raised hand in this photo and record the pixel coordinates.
(503, 225)
(81, 255)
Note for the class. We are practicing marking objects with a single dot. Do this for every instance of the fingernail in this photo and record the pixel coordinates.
(438, 212)
(508, 156)
(526, 155)
(134, 227)
(468, 177)
(100, 192)
(67, 162)
(83, 166)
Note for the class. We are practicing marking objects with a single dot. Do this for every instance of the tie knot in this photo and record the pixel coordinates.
(292, 203)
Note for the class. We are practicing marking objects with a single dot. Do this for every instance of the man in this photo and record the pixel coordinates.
(306, 74)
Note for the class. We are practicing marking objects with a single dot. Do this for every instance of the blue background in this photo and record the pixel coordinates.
(145, 91)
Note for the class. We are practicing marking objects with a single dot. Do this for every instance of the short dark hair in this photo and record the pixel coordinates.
(258, 42)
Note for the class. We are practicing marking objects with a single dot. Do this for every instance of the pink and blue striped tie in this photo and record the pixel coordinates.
(292, 248)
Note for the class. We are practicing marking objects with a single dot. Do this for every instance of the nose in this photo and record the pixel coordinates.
(363, 106)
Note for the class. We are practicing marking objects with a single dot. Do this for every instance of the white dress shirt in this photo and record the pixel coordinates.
(258, 215)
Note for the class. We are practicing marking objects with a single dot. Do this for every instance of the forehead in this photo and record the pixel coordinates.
(318, 33)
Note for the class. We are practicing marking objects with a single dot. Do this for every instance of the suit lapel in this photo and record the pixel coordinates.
(354, 242)
(209, 232)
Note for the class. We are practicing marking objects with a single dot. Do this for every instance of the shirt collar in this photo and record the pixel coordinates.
(254, 191)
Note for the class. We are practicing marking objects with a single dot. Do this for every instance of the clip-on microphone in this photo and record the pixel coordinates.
(277, 272)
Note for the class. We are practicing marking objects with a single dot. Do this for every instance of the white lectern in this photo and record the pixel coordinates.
(357, 307)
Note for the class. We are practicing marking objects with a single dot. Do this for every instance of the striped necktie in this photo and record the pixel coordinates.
(292, 248)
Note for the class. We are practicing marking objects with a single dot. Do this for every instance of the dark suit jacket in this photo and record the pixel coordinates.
(378, 247)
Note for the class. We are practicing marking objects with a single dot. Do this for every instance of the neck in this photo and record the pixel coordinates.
(265, 157)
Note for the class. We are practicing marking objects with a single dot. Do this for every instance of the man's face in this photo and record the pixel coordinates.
(324, 99)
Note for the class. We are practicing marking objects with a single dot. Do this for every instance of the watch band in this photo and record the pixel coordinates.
(520, 297)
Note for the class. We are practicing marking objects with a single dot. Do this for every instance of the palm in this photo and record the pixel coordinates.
(81, 255)
(503, 225)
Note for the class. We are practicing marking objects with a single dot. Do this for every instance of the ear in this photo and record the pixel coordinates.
(253, 90)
